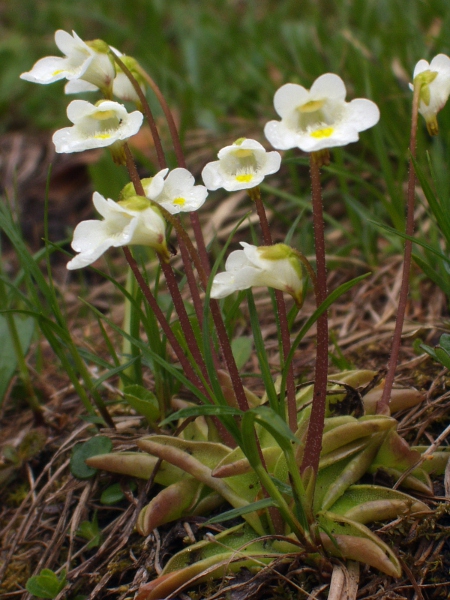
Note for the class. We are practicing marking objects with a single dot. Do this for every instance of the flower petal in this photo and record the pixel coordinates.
(288, 97)
(88, 235)
(362, 114)
(68, 44)
(78, 86)
(441, 62)
(280, 136)
(211, 175)
(154, 185)
(328, 86)
(320, 118)
(237, 260)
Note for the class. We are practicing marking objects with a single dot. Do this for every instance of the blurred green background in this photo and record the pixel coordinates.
(219, 63)
(220, 58)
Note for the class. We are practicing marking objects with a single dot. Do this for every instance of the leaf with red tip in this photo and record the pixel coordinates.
(169, 504)
(344, 538)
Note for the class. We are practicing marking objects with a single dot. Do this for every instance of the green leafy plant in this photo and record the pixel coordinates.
(96, 445)
(47, 584)
(289, 463)
(198, 474)
(90, 531)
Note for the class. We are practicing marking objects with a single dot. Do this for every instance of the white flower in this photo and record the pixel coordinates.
(276, 266)
(153, 186)
(434, 79)
(318, 118)
(89, 61)
(96, 126)
(133, 221)
(79, 86)
(121, 86)
(176, 193)
(241, 166)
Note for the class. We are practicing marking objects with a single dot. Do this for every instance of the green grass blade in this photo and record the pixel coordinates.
(261, 353)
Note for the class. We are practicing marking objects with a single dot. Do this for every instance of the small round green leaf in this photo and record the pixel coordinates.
(96, 445)
(47, 584)
(114, 494)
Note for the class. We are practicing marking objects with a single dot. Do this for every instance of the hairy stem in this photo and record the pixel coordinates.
(255, 195)
(198, 233)
(170, 280)
(218, 321)
(147, 112)
(383, 403)
(188, 370)
(180, 309)
(316, 422)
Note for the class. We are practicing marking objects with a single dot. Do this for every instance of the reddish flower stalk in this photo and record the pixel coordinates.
(162, 164)
(183, 238)
(147, 112)
(316, 422)
(198, 233)
(218, 321)
(170, 279)
(182, 163)
(383, 403)
(255, 195)
(189, 371)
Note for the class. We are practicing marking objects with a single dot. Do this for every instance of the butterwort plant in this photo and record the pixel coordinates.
(285, 462)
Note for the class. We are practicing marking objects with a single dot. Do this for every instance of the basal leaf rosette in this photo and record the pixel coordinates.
(106, 123)
(319, 118)
(276, 266)
(90, 61)
(132, 221)
(241, 166)
(434, 79)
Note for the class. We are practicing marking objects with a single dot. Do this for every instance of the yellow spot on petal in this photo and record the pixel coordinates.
(244, 178)
(102, 115)
(243, 153)
(102, 136)
(57, 72)
(311, 106)
(322, 133)
(179, 201)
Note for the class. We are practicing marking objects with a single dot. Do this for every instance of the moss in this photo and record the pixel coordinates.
(16, 576)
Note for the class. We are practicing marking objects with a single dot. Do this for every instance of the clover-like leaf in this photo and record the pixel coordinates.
(143, 401)
(47, 584)
(96, 445)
